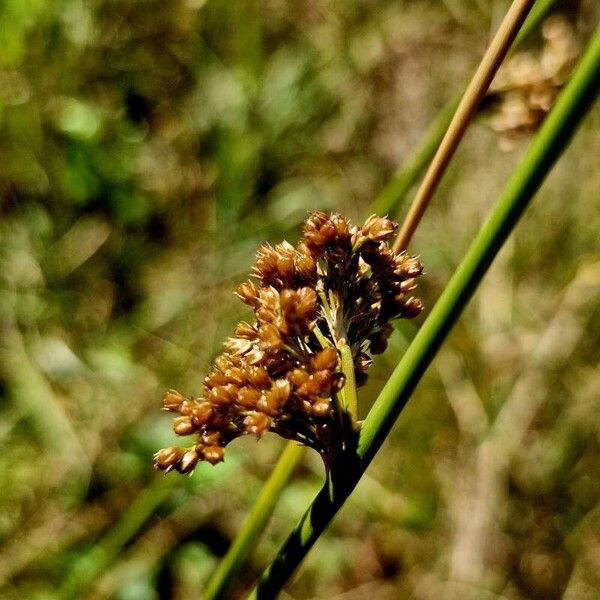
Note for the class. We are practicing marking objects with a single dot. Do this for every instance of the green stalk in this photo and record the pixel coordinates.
(349, 394)
(552, 139)
(256, 522)
(90, 564)
(394, 193)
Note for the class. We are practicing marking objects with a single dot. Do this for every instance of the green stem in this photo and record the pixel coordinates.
(255, 523)
(552, 139)
(325, 343)
(395, 192)
(349, 395)
(90, 564)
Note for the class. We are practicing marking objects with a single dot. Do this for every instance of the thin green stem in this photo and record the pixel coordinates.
(552, 139)
(90, 564)
(325, 343)
(397, 189)
(256, 522)
(349, 394)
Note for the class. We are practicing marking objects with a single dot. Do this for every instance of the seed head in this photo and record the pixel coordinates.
(340, 284)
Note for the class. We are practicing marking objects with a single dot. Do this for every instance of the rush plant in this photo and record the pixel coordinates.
(324, 307)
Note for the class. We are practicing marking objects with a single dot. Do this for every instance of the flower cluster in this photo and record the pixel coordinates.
(528, 84)
(339, 287)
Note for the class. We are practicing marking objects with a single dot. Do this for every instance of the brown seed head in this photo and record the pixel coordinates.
(378, 228)
(248, 293)
(172, 400)
(168, 458)
(274, 374)
(213, 454)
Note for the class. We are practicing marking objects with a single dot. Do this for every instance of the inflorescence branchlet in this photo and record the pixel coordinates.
(340, 286)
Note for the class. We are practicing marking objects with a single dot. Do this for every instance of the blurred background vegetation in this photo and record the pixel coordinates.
(146, 148)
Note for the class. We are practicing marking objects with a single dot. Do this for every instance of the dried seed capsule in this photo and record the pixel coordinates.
(265, 267)
(323, 379)
(168, 458)
(172, 400)
(248, 397)
(211, 438)
(270, 338)
(183, 426)
(378, 228)
(245, 330)
(237, 346)
(223, 362)
(309, 389)
(278, 395)
(305, 266)
(298, 376)
(362, 362)
(235, 375)
(188, 462)
(412, 307)
(285, 267)
(257, 424)
(223, 394)
(259, 377)
(268, 405)
(215, 378)
(321, 408)
(255, 356)
(326, 359)
(202, 413)
(213, 454)
(407, 266)
(248, 293)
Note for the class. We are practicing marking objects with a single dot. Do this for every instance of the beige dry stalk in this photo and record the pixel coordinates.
(476, 90)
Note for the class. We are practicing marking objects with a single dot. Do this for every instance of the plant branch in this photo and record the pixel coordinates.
(467, 108)
(396, 190)
(349, 394)
(256, 522)
(552, 139)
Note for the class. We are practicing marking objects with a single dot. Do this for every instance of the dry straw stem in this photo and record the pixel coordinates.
(396, 190)
(552, 139)
(476, 90)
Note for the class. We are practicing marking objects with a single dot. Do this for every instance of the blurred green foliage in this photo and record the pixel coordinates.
(146, 148)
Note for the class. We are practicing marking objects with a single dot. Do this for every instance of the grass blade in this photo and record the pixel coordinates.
(543, 152)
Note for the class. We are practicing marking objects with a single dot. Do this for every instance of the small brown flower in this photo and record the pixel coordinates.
(378, 228)
(168, 458)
